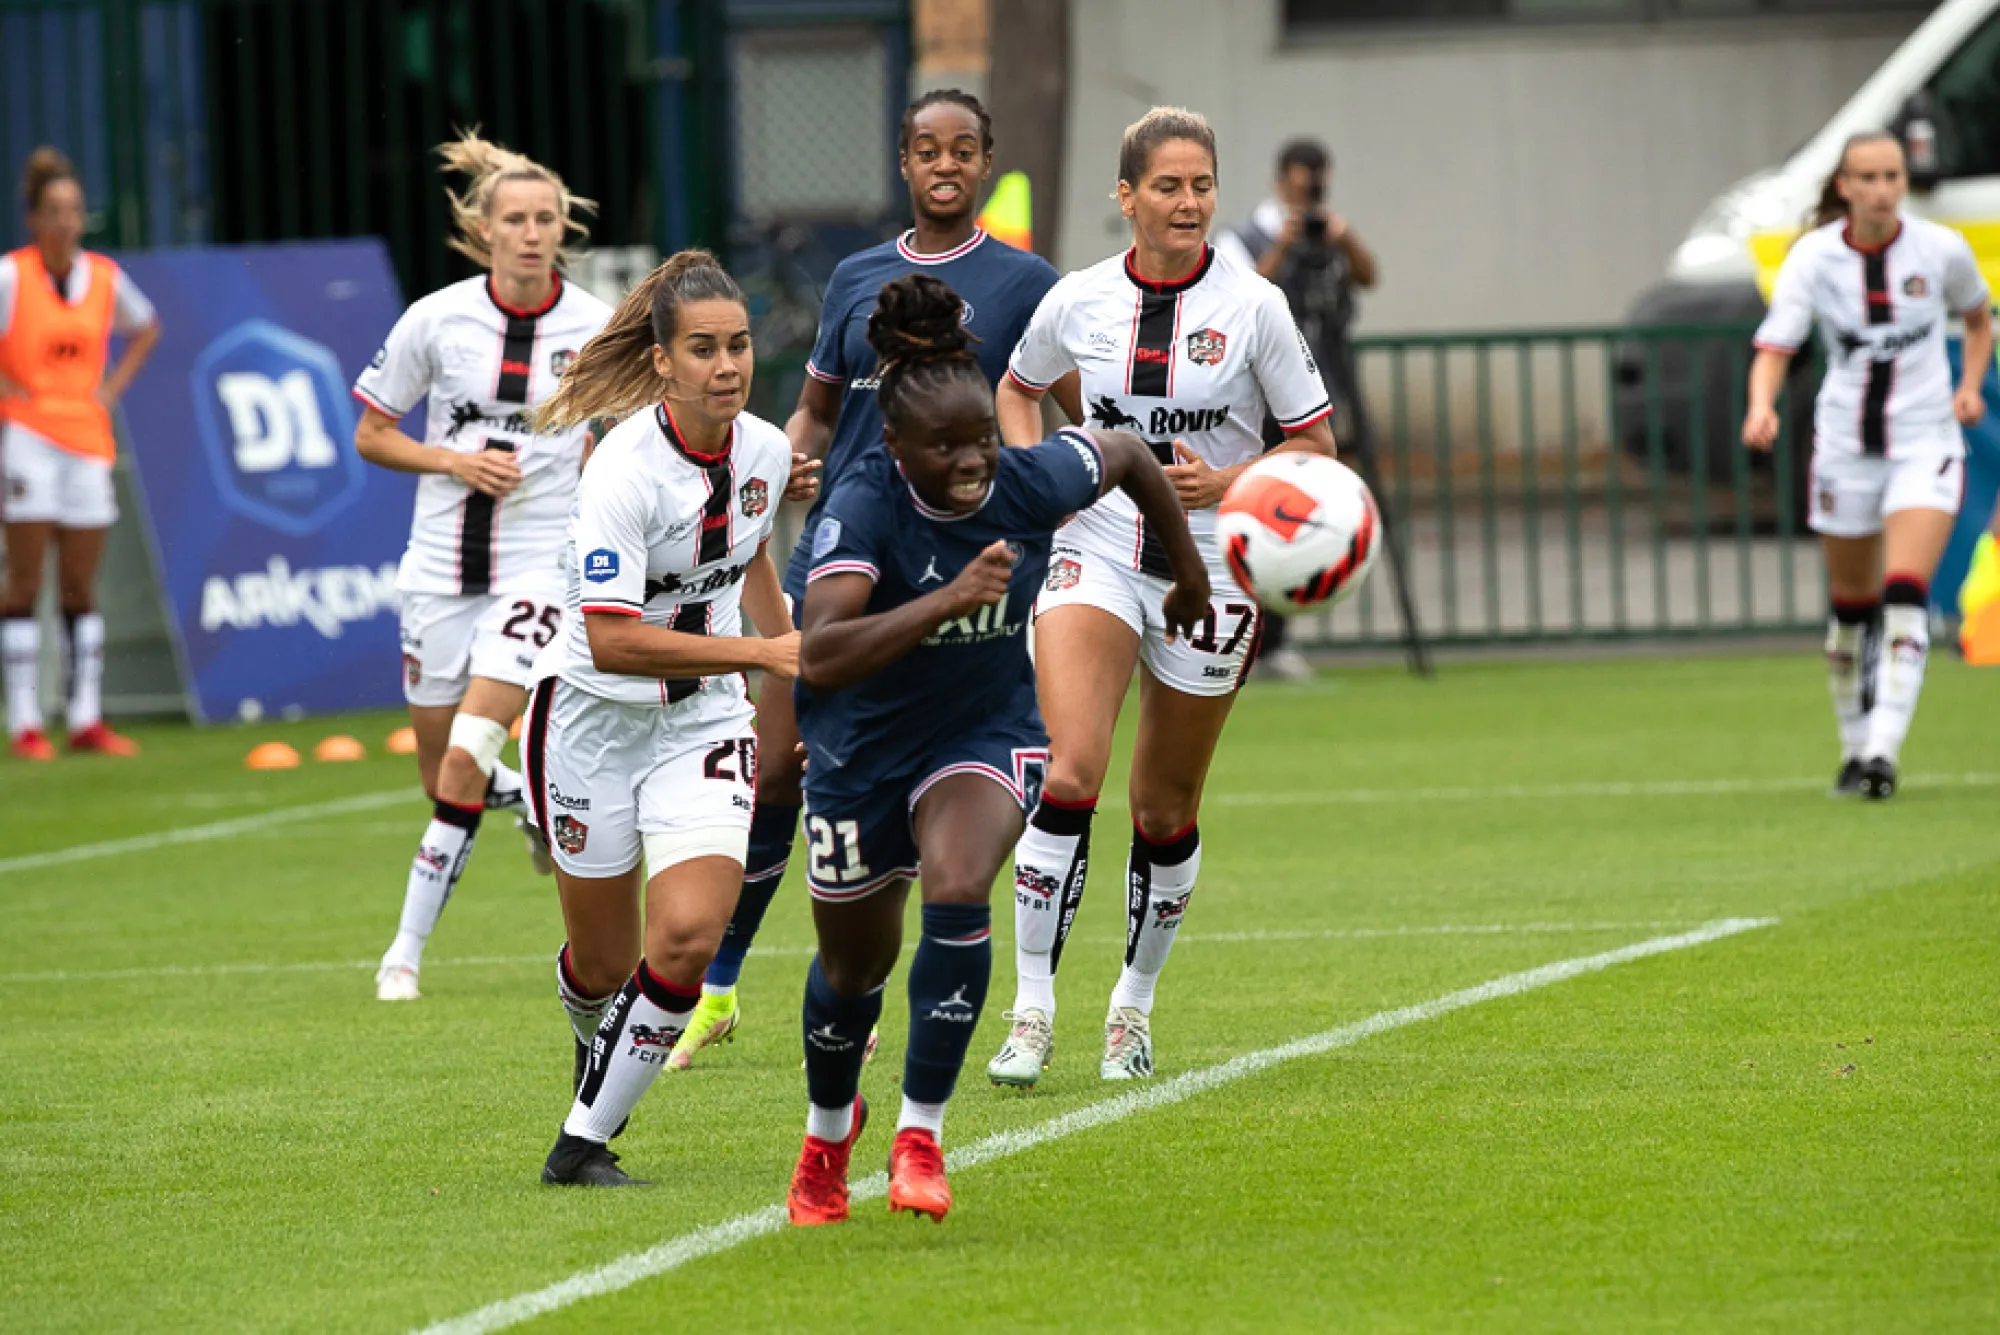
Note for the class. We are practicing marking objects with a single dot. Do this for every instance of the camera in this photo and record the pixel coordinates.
(1314, 226)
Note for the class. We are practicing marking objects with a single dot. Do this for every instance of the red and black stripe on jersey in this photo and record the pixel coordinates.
(1149, 371)
(1881, 374)
(517, 360)
(712, 541)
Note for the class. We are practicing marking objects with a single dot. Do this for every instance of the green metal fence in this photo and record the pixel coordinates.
(1581, 484)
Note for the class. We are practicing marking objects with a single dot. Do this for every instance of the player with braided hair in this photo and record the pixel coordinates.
(946, 149)
(916, 700)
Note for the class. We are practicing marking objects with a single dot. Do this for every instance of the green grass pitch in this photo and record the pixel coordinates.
(208, 1123)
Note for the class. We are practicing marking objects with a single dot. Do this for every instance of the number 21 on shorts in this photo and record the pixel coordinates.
(836, 851)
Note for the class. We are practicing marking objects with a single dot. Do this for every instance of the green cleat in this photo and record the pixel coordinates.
(714, 1021)
(1025, 1054)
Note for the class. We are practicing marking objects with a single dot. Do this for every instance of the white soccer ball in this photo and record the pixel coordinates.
(1299, 531)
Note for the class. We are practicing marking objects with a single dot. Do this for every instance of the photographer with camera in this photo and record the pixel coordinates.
(1316, 259)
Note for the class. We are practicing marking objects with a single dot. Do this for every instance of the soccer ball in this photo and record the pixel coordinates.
(1299, 531)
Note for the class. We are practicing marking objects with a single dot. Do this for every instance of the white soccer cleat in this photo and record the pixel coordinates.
(1025, 1054)
(1128, 1045)
(396, 982)
(538, 852)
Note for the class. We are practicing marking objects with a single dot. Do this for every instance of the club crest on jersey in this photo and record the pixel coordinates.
(1916, 286)
(1063, 574)
(1206, 347)
(559, 361)
(381, 358)
(571, 834)
(826, 537)
(755, 497)
(413, 670)
(600, 565)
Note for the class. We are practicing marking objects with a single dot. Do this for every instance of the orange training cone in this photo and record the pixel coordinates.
(402, 742)
(339, 748)
(271, 755)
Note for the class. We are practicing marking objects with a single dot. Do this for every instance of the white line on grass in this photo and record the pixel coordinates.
(260, 821)
(253, 967)
(637, 1266)
(221, 829)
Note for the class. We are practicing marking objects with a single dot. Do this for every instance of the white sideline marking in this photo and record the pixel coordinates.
(806, 952)
(221, 829)
(631, 1269)
(253, 824)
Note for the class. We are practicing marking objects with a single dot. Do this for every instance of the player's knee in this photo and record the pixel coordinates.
(1068, 780)
(600, 975)
(459, 778)
(857, 968)
(1163, 819)
(956, 885)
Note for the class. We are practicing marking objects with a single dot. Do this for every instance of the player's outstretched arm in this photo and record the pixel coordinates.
(621, 643)
(1129, 465)
(844, 645)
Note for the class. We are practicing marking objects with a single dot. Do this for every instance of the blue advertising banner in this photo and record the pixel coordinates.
(277, 545)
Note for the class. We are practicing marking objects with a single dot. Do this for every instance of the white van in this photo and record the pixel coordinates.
(1940, 91)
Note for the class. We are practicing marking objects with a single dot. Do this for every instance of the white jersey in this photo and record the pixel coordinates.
(1882, 314)
(667, 536)
(1196, 361)
(483, 366)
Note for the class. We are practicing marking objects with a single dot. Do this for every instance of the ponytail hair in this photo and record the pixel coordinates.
(485, 165)
(1831, 207)
(613, 374)
(45, 167)
(922, 343)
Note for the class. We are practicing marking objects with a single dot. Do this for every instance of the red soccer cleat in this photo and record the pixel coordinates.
(916, 1174)
(819, 1183)
(31, 744)
(98, 737)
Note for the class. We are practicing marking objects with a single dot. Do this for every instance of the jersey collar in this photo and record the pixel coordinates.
(555, 295)
(1847, 235)
(1169, 289)
(905, 246)
(669, 428)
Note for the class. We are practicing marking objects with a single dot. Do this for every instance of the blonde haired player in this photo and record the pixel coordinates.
(1186, 346)
(1888, 460)
(639, 750)
(59, 306)
(481, 579)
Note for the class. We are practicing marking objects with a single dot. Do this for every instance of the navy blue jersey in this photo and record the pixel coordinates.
(1000, 286)
(973, 672)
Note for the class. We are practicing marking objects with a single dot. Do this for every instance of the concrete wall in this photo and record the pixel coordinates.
(1527, 176)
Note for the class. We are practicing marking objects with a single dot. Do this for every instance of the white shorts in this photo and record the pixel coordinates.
(1085, 571)
(47, 484)
(448, 639)
(1852, 492)
(601, 776)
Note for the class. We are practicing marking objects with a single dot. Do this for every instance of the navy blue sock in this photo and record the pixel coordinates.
(836, 1032)
(771, 831)
(948, 979)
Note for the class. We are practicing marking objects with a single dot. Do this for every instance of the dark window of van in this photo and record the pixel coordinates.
(1967, 92)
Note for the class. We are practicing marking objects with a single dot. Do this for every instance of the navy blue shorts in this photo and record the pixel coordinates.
(861, 834)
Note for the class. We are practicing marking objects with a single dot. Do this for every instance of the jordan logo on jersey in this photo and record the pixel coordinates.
(755, 497)
(1206, 347)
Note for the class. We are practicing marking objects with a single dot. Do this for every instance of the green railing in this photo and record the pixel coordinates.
(1580, 484)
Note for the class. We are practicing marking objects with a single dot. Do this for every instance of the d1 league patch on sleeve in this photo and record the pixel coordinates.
(826, 537)
(600, 565)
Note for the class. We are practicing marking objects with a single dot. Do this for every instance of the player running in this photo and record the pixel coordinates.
(639, 740)
(917, 703)
(947, 151)
(1888, 460)
(481, 582)
(59, 306)
(1189, 346)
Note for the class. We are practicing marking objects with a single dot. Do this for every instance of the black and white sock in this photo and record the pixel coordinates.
(86, 670)
(503, 788)
(1847, 670)
(1159, 881)
(1049, 867)
(1899, 668)
(440, 861)
(585, 1012)
(639, 1029)
(21, 643)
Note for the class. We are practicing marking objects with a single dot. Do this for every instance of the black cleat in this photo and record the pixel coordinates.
(576, 1162)
(1878, 779)
(1847, 784)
